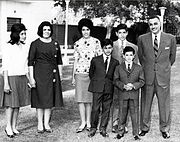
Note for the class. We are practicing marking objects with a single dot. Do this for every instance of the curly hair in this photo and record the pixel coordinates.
(40, 28)
(85, 22)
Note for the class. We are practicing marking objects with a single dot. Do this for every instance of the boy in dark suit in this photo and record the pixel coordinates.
(128, 78)
(101, 85)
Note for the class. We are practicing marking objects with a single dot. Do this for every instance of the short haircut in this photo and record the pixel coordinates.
(40, 28)
(85, 22)
(15, 31)
(106, 42)
(154, 16)
(121, 26)
(128, 49)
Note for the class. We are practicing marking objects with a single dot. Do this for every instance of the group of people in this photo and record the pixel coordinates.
(32, 75)
(107, 76)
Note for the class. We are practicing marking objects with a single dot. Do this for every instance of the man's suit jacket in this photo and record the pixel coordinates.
(123, 77)
(118, 51)
(100, 80)
(160, 66)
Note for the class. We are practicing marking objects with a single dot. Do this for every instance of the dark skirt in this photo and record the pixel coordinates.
(48, 91)
(82, 95)
(20, 95)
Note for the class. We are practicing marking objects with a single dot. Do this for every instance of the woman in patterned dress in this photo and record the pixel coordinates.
(45, 67)
(85, 49)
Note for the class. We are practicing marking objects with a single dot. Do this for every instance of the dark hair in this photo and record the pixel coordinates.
(85, 22)
(15, 31)
(154, 16)
(121, 26)
(128, 49)
(40, 28)
(106, 42)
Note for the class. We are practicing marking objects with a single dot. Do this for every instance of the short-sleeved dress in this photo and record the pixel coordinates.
(85, 50)
(45, 58)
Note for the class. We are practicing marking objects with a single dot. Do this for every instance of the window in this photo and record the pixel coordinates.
(11, 21)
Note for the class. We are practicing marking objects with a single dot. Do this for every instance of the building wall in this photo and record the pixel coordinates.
(32, 13)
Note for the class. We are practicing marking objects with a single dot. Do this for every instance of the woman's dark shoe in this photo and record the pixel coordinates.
(143, 133)
(88, 128)
(79, 130)
(115, 128)
(10, 136)
(48, 130)
(16, 134)
(40, 131)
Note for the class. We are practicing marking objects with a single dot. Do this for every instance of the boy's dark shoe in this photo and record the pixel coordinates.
(143, 133)
(115, 128)
(104, 133)
(119, 136)
(137, 137)
(92, 132)
(165, 135)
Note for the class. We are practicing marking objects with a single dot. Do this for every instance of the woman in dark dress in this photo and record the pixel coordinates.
(45, 67)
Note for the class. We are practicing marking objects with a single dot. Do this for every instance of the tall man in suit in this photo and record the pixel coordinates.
(157, 53)
(101, 85)
(118, 46)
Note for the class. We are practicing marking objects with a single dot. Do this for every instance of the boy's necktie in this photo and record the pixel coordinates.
(106, 63)
(129, 69)
(155, 46)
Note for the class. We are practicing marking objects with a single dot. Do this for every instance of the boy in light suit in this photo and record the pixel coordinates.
(128, 78)
(118, 46)
(101, 85)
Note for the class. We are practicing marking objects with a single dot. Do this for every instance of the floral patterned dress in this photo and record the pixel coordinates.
(85, 50)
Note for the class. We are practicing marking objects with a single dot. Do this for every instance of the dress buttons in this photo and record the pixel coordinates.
(54, 70)
(54, 80)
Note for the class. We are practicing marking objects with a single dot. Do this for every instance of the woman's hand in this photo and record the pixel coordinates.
(73, 81)
(32, 82)
(7, 88)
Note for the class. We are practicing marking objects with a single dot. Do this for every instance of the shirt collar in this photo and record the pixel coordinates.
(126, 63)
(124, 42)
(104, 57)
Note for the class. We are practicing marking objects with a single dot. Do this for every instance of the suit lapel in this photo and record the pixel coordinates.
(124, 67)
(149, 44)
(132, 68)
(110, 64)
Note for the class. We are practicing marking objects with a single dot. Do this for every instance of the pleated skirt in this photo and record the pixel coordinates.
(20, 95)
(82, 95)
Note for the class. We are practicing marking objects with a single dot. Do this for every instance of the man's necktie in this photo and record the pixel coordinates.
(106, 63)
(155, 46)
(129, 69)
(122, 44)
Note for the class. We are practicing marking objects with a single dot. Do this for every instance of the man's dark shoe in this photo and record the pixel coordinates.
(92, 132)
(165, 135)
(143, 133)
(137, 137)
(104, 133)
(115, 128)
(119, 136)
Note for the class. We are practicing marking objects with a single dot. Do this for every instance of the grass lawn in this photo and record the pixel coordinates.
(65, 120)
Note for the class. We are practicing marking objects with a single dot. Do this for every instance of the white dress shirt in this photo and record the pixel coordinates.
(122, 42)
(158, 38)
(14, 59)
(126, 63)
